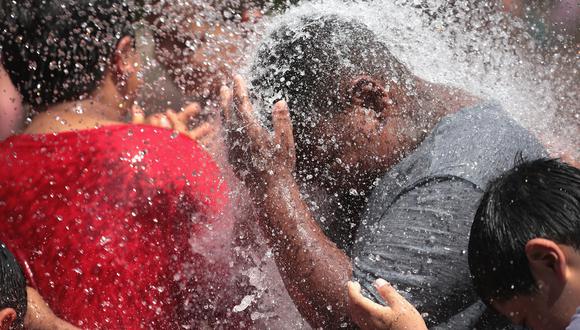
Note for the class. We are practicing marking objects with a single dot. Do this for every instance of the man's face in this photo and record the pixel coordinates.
(358, 144)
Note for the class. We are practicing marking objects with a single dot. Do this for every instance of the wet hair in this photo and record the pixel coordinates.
(535, 199)
(306, 62)
(59, 50)
(12, 286)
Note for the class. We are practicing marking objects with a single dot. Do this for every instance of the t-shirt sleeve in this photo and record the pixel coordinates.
(419, 244)
(575, 322)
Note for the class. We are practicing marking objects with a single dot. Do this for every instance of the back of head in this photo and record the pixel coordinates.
(310, 60)
(538, 199)
(12, 286)
(59, 50)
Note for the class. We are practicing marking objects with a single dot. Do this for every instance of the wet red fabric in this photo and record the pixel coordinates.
(120, 226)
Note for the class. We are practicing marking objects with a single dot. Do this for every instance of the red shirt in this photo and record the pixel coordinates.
(117, 227)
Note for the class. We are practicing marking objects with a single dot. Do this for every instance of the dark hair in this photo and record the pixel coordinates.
(12, 286)
(59, 50)
(534, 199)
(306, 61)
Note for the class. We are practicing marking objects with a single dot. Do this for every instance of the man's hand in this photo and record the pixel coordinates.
(178, 121)
(256, 153)
(39, 316)
(399, 315)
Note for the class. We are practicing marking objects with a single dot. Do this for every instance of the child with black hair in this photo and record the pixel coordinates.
(21, 306)
(12, 291)
(524, 248)
(524, 254)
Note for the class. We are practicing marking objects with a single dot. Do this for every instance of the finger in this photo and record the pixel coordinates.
(357, 314)
(189, 112)
(353, 290)
(226, 104)
(357, 300)
(137, 115)
(389, 294)
(240, 89)
(283, 127)
(160, 120)
(242, 101)
(176, 121)
(153, 121)
(164, 121)
(201, 132)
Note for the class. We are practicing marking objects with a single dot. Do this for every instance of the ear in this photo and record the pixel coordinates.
(547, 261)
(125, 59)
(371, 93)
(7, 318)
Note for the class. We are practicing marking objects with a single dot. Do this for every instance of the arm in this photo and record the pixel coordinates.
(314, 270)
(10, 106)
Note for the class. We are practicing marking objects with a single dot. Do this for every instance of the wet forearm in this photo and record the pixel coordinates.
(314, 270)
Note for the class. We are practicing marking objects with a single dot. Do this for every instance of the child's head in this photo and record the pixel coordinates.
(63, 50)
(524, 248)
(12, 292)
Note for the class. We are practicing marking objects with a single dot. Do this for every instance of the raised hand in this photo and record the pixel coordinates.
(398, 315)
(256, 153)
(178, 121)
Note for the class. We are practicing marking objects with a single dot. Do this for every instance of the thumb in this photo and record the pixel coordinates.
(137, 115)
(388, 292)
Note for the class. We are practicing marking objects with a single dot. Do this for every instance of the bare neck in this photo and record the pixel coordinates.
(104, 107)
(443, 100)
(433, 102)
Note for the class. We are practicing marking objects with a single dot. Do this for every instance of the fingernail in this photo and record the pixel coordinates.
(379, 282)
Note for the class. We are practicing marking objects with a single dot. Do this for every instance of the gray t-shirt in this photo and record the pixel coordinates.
(575, 322)
(416, 228)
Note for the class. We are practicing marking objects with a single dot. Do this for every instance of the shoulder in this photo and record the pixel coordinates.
(479, 143)
(167, 159)
(157, 148)
(429, 202)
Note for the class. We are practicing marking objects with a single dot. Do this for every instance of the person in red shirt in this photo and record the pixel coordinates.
(116, 225)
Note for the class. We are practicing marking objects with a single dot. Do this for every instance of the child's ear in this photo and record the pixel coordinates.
(7, 318)
(547, 261)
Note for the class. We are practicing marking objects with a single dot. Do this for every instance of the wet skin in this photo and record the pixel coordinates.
(314, 270)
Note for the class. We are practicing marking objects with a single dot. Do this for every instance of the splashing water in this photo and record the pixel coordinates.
(479, 49)
(472, 47)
